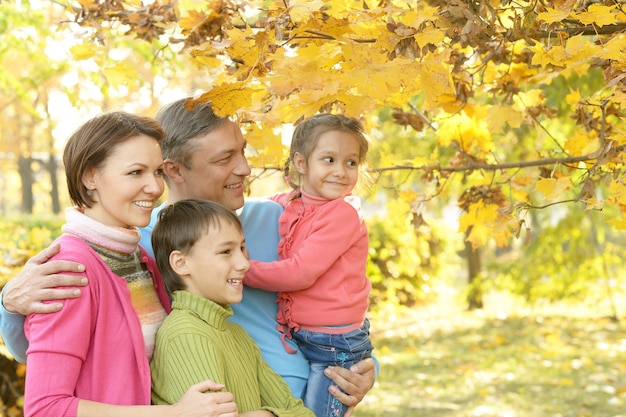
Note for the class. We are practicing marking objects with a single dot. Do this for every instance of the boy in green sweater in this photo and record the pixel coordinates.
(200, 250)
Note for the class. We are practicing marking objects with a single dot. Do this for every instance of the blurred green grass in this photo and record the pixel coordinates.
(477, 364)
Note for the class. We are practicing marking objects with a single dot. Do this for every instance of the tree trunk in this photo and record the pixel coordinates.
(475, 294)
(24, 167)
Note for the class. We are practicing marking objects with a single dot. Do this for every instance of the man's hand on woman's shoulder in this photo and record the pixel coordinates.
(38, 281)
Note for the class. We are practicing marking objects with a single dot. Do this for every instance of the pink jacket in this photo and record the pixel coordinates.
(93, 348)
(321, 272)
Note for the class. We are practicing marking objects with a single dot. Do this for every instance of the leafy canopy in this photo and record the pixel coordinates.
(510, 106)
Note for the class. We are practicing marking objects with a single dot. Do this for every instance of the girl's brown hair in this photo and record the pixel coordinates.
(307, 133)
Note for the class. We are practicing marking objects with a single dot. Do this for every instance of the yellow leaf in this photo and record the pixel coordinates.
(472, 133)
(429, 35)
(207, 61)
(82, 51)
(499, 115)
(301, 10)
(573, 97)
(617, 192)
(598, 15)
(409, 196)
(86, 3)
(227, 99)
(267, 145)
(120, 73)
(435, 79)
(619, 137)
(553, 187)
(582, 142)
(594, 204)
(613, 49)
(619, 224)
(552, 15)
(531, 98)
(192, 21)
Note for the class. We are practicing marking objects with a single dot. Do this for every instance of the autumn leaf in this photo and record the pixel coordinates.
(573, 97)
(501, 115)
(485, 222)
(301, 10)
(553, 188)
(82, 51)
(228, 99)
(552, 15)
(429, 35)
(617, 191)
(435, 79)
(192, 20)
(597, 14)
(120, 73)
(582, 142)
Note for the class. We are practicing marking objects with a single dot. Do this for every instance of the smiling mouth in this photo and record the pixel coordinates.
(144, 204)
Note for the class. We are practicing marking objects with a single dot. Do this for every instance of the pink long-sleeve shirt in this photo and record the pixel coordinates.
(93, 348)
(320, 274)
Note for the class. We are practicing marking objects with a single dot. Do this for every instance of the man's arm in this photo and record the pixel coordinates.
(355, 382)
(37, 282)
(25, 294)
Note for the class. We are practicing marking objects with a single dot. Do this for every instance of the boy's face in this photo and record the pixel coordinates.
(216, 265)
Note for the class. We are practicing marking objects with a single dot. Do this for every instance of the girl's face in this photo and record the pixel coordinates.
(128, 184)
(214, 268)
(332, 169)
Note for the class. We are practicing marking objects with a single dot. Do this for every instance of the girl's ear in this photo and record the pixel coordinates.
(299, 161)
(178, 263)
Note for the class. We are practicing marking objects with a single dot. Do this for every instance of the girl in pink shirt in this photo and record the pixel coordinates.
(320, 274)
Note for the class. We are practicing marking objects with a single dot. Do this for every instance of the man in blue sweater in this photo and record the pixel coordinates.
(203, 158)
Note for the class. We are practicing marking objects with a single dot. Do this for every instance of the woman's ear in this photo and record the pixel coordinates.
(299, 162)
(89, 179)
(178, 263)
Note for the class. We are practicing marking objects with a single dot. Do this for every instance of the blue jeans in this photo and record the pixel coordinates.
(324, 349)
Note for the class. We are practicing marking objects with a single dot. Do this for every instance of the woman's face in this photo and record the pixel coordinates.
(128, 184)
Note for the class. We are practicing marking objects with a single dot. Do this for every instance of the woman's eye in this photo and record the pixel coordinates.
(328, 159)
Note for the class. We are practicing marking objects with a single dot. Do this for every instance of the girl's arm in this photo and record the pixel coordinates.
(331, 237)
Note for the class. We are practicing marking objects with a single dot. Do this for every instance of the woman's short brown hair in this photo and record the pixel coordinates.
(94, 141)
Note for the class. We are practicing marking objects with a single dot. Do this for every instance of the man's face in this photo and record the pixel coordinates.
(218, 167)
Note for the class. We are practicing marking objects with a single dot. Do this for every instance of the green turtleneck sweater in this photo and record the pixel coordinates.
(196, 343)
